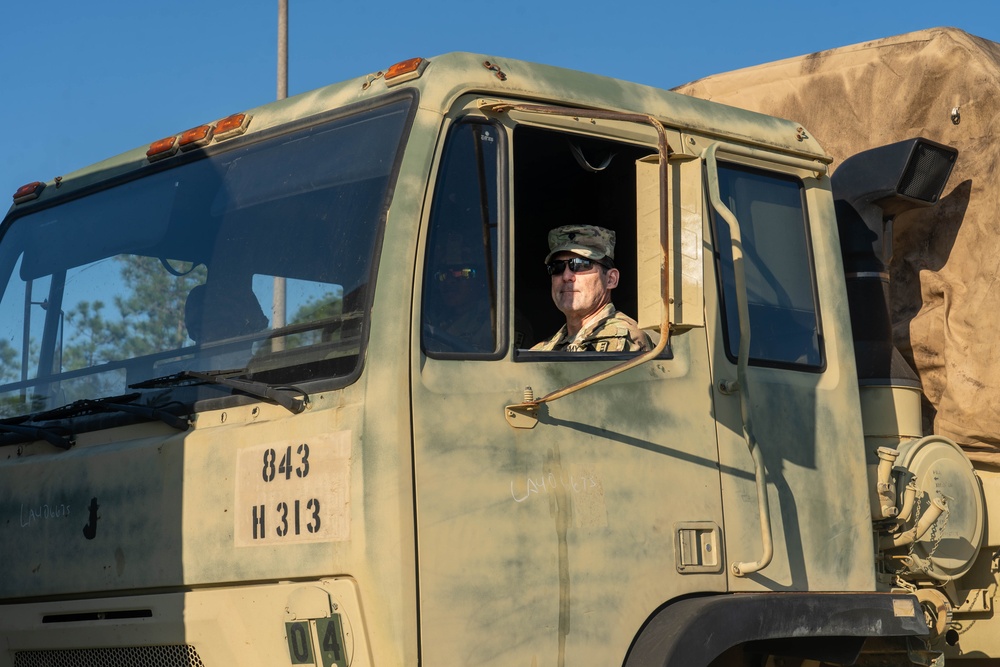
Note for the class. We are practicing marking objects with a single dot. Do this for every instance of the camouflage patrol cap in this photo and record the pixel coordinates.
(588, 241)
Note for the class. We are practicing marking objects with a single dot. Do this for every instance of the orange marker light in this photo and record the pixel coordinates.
(163, 148)
(196, 136)
(405, 71)
(232, 126)
(28, 192)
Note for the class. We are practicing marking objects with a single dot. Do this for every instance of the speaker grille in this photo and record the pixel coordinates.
(926, 173)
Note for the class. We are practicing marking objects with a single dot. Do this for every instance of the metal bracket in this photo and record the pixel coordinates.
(522, 415)
(978, 600)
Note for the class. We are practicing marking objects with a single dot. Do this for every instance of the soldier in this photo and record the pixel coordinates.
(581, 263)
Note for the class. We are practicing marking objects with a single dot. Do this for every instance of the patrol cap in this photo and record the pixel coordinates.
(588, 241)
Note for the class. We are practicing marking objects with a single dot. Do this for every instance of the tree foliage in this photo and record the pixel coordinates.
(149, 318)
(154, 309)
(8, 362)
(145, 317)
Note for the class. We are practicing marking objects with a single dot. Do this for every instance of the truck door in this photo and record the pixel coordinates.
(549, 545)
(799, 390)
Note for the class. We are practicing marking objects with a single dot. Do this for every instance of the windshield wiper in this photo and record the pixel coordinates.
(124, 403)
(88, 406)
(286, 397)
(167, 418)
(49, 436)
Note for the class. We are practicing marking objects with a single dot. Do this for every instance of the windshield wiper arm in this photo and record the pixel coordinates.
(286, 397)
(49, 436)
(87, 406)
(283, 396)
(171, 420)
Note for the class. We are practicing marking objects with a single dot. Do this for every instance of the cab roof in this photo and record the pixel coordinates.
(443, 79)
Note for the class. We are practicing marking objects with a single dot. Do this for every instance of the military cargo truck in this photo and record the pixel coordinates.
(269, 398)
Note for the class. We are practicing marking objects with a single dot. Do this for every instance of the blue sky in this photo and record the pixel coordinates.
(84, 81)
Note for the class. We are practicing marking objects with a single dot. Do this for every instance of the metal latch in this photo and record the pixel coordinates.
(697, 547)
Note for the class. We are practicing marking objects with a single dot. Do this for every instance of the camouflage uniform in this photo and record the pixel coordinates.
(609, 331)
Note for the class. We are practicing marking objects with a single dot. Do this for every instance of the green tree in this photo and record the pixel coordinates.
(154, 310)
(327, 307)
(93, 339)
(10, 368)
(149, 318)
(146, 317)
(10, 365)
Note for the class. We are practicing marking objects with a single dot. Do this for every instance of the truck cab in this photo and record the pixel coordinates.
(269, 394)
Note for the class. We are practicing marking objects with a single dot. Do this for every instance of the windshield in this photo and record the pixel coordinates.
(259, 258)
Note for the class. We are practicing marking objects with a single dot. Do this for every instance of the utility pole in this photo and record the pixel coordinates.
(282, 49)
(278, 305)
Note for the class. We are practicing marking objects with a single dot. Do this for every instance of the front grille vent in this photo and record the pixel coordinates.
(98, 616)
(126, 656)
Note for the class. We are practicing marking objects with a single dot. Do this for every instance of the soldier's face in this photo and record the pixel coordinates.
(580, 294)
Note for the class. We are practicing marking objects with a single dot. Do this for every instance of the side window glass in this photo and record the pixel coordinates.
(460, 313)
(784, 323)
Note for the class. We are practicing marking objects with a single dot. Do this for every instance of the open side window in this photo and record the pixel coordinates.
(780, 282)
(562, 178)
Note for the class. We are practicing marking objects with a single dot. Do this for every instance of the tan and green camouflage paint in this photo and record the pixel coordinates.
(465, 541)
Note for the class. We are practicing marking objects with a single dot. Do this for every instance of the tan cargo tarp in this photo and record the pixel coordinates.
(942, 84)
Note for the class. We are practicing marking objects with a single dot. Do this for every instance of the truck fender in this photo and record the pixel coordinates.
(695, 631)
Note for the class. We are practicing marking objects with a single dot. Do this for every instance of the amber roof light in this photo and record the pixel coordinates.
(407, 70)
(195, 137)
(28, 192)
(163, 148)
(232, 126)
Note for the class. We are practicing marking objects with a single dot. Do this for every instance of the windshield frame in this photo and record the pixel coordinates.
(208, 397)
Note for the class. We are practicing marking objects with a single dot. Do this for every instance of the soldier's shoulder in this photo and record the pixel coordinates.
(552, 343)
(618, 321)
(626, 329)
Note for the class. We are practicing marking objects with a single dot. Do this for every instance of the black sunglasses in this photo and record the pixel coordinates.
(576, 265)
